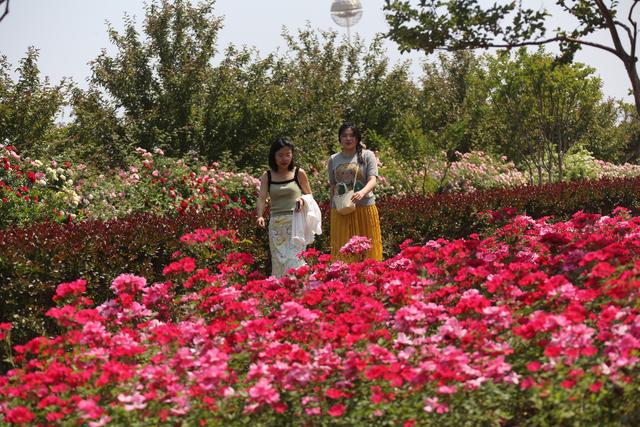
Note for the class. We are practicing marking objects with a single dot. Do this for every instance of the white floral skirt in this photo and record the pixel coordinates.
(284, 253)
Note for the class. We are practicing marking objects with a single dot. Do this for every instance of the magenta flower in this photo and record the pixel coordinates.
(337, 410)
(19, 415)
(75, 288)
(5, 327)
(89, 409)
(264, 392)
(432, 404)
(128, 284)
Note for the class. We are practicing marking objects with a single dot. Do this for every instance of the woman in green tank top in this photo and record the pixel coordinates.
(283, 185)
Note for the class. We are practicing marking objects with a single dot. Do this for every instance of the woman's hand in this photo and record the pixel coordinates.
(357, 196)
(260, 222)
(299, 204)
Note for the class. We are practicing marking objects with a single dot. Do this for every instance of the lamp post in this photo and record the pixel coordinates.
(346, 13)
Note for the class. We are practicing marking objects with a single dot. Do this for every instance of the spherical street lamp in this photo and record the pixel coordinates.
(346, 13)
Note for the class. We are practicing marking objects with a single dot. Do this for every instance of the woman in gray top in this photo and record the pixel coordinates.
(354, 161)
(283, 184)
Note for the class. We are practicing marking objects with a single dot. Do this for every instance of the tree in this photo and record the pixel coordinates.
(385, 101)
(165, 87)
(539, 110)
(317, 75)
(628, 129)
(302, 93)
(158, 83)
(453, 25)
(96, 135)
(239, 109)
(449, 104)
(29, 107)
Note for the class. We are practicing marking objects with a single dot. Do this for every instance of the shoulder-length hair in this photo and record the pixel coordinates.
(279, 143)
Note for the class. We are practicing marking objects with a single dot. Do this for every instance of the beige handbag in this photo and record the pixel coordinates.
(342, 196)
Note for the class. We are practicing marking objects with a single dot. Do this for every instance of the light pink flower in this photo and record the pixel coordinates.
(264, 392)
(132, 402)
(356, 245)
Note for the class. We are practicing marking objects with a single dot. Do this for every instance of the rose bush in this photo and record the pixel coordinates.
(535, 324)
(33, 259)
(35, 191)
(480, 171)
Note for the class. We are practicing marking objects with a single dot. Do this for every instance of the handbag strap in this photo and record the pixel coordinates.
(355, 177)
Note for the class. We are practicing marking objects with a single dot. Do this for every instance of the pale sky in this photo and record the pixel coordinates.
(70, 33)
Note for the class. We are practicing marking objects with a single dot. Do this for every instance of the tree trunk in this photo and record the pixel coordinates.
(629, 59)
(632, 72)
(549, 152)
(530, 170)
(560, 168)
(540, 161)
(424, 180)
(540, 172)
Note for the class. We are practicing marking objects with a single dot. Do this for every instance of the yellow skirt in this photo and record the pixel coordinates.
(363, 222)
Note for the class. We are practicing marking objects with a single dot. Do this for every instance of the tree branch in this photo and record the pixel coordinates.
(6, 8)
(606, 13)
(596, 45)
(630, 17)
(626, 28)
(546, 41)
(635, 28)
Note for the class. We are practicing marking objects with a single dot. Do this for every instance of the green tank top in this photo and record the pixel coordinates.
(284, 195)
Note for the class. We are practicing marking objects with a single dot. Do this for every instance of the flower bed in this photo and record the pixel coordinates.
(460, 214)
(537, 324)
(36, 191)
(34, 259)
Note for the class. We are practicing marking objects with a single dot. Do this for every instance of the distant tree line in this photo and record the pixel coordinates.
(170, 86)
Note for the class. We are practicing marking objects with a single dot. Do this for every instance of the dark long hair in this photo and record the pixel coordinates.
(279, 143)
(357, 135)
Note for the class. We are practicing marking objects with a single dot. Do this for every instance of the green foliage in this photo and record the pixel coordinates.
(171, 93)
(580, 164)
(460, 25)
(411, 177)
(159, 81)
(615, 142)
(385, 101)
(318, 70)
(95, 136)
(538, 110)
(29, 106)
(450, 101)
